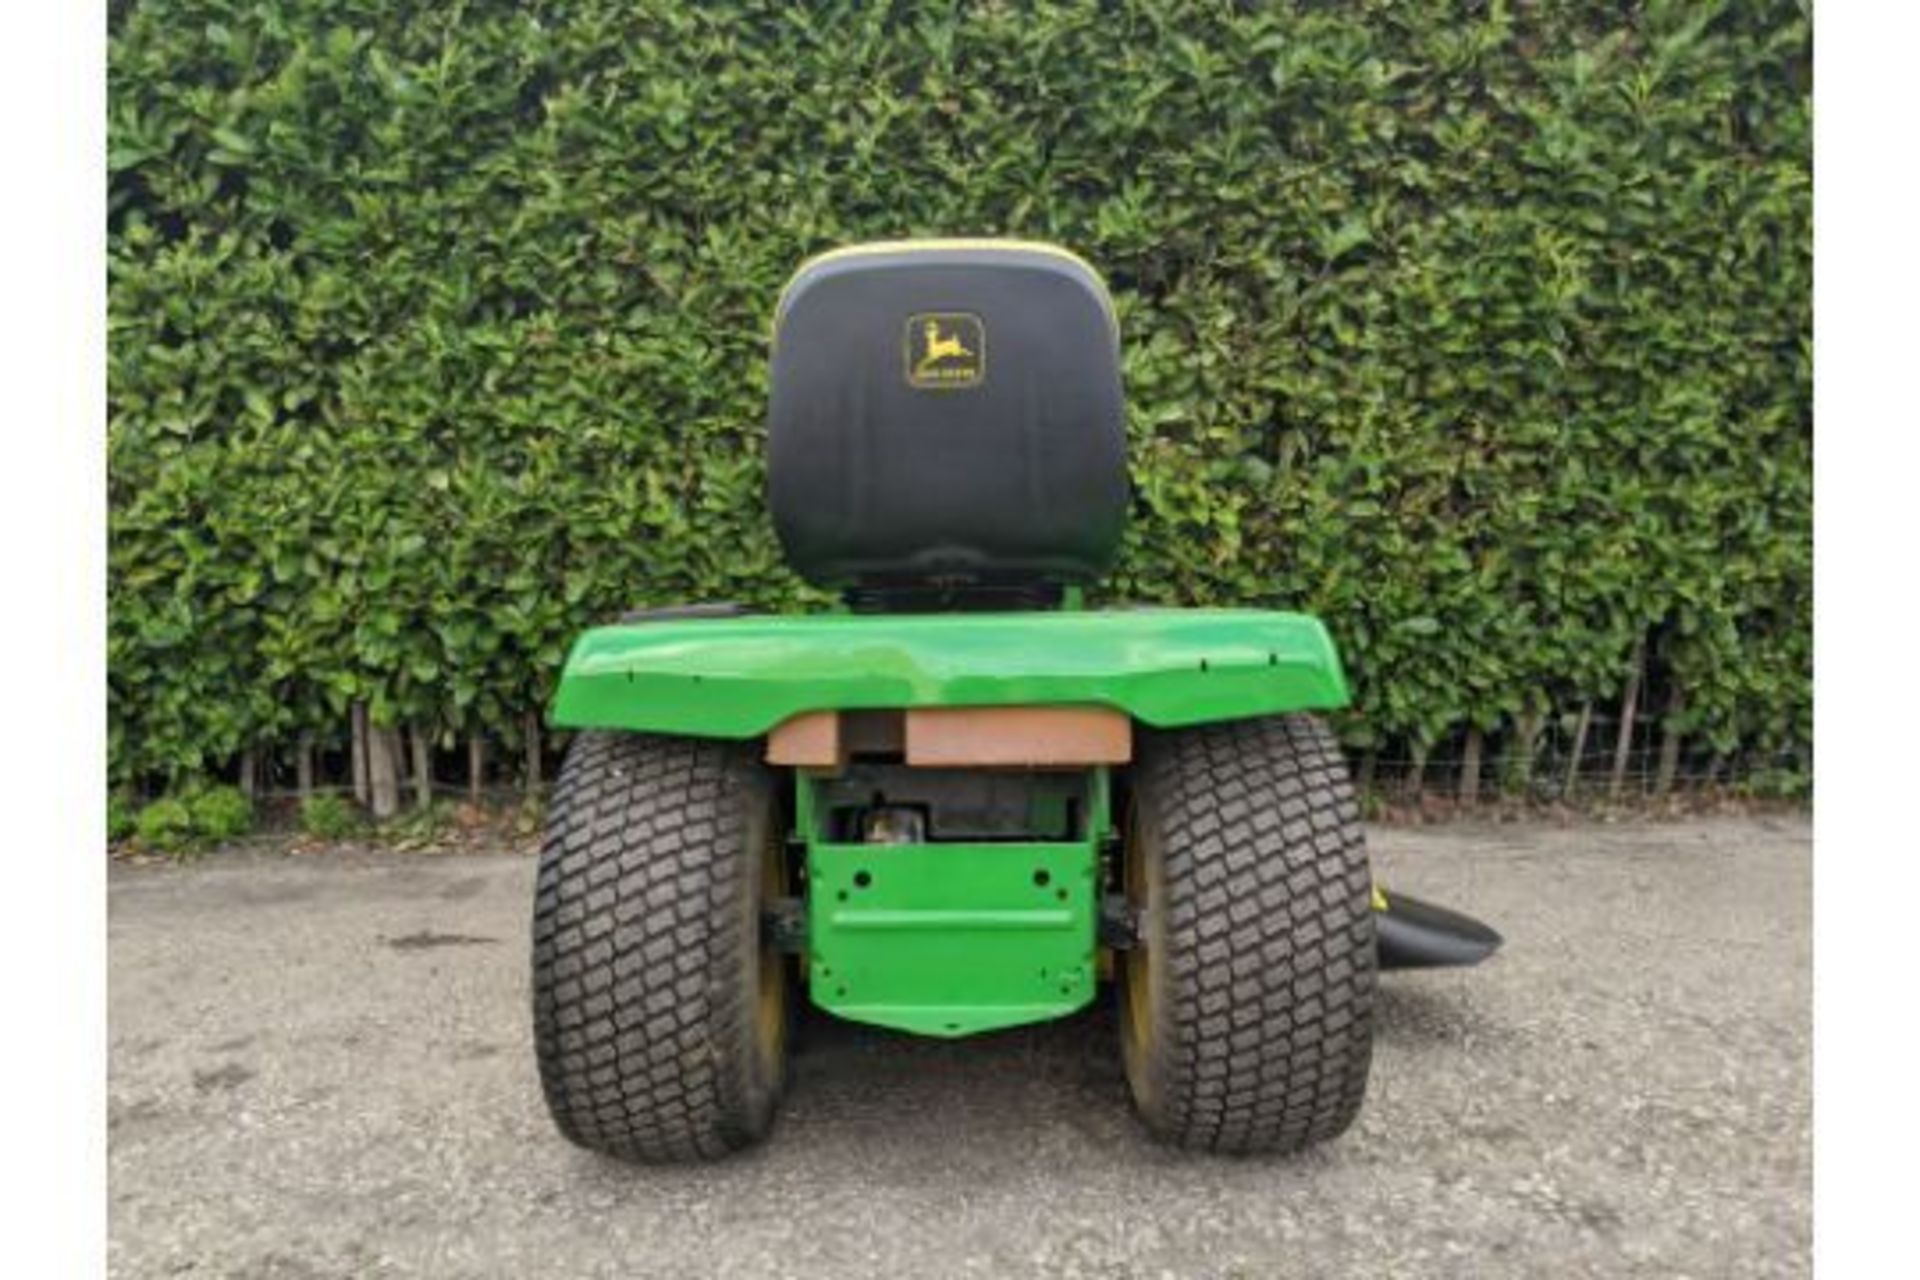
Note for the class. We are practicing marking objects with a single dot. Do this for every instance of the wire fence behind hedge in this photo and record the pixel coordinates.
(1659, 759)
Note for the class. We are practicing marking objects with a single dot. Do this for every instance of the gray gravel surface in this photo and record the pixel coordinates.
(320, 1066)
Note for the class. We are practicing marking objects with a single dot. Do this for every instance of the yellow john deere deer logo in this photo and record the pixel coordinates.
(946, 351)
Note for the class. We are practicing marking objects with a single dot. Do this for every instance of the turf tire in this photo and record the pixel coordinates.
(1247, 1012)
(655, 1031)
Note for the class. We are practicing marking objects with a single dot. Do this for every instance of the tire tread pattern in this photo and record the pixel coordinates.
(641, 1021)
(1266, 1016)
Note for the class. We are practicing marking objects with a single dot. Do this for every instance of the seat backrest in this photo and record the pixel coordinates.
(947, 421)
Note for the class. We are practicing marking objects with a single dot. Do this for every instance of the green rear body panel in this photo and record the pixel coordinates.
(739, 677)
(948, 938)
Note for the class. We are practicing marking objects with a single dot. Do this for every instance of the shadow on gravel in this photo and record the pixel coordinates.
(905, 1110)
(1410, 1016)
(1044, 1092)
(1406, 1014)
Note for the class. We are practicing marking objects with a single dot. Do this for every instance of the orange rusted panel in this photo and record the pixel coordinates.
(811, 739)
(1029, 736)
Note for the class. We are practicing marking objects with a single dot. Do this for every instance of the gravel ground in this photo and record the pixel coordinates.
(321, 1066)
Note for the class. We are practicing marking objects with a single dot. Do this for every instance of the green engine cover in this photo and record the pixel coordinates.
(739, 677)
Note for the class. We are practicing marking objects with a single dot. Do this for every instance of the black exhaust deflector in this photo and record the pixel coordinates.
(1419, 935)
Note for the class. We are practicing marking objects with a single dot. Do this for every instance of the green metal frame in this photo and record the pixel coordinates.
(739, 677)
(953, 938)
(948, 938)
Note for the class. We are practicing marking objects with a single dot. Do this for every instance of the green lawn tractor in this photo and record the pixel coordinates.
(959, 801)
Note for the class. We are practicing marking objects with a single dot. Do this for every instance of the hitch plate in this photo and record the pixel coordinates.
(948, 939)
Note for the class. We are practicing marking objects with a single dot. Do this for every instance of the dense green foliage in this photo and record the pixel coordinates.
(190, 821)
(220, 813)
(328, 817)
(120, 817)
(437, 331)
(166, 825)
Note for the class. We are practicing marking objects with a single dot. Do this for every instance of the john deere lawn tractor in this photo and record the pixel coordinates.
(960, 801)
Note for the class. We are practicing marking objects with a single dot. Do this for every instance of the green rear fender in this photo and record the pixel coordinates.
(738, 677)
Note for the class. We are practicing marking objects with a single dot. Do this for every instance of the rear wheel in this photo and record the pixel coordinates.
(1246, 1008)
(660, 1006)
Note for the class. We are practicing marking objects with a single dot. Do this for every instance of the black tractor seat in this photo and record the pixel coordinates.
(946, 427)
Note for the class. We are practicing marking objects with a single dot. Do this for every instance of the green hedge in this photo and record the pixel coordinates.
(438, 332)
